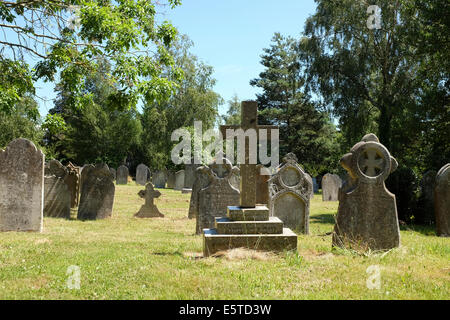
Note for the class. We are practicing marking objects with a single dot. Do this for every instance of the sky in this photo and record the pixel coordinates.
(229, 35)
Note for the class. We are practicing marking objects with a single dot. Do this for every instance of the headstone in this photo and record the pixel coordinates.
(149, 209)
(21, 187)
(442, 201)
(290, 192)
(425, 205)
(189, 177)
(73, 183)
(170, 180)
(159, 179)
(262, 185)
(179, 180)
(315, 185)
(141, 174)
(330, 187)
(214, 198)
(367, 213)
(122, 175)
(57, 195)
(310, 179)
(113, 172)
(97, 193)
(248, 225)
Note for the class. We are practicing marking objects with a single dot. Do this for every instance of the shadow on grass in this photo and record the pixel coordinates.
(427, 230)
(326, 218)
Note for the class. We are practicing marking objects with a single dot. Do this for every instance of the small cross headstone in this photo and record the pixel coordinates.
(149, 209)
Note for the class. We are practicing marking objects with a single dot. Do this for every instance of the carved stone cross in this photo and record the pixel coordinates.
(371, 163)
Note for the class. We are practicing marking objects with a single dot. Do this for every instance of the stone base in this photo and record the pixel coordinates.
(185, 190)
(149, 212)
(259, 213)
(214, 242)
(273, 226)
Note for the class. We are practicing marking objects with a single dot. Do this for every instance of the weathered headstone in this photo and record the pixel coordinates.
(159, 179)
(57, 195)
(442, 201)
(122, 175)
(149, 209)
(170, 180)
(73, 183)
(97, 193)
(310, 179)
(141, 174)
(179, 180)
(290, 192)
(367, 213)
(189, 177)
(21, 187)
(330, 187)
(113, 172)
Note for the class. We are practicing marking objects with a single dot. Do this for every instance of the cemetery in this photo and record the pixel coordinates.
(138, 184)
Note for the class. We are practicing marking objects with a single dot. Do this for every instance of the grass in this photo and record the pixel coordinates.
(129, 258)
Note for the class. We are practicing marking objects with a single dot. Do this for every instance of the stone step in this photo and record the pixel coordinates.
(214, 242)
(273, 226)
(259, 213)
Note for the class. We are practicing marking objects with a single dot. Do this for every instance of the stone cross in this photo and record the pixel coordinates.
(249, 120)
(371, 163)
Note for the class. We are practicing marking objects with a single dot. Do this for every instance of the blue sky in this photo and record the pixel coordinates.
(230, 36)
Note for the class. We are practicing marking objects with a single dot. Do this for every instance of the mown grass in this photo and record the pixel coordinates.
(129, 258)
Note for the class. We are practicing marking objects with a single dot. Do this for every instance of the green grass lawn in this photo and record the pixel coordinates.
(128, 258)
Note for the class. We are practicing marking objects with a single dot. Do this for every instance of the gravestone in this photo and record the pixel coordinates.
(170, 180)
(179, 180)
(21, 187)
(442, 201)
(57, 195)
(113, 172)
(315, 185)
(248, 225)
(290, 192)
(310, 179)
(330, 187)
(216, 195)
(149, 209)
(262, 185)
(122, 175)
(159, 179)
(367, 213)
(425, 205)
(189, 177)
(142, 174)
(73, 183)
(97, 193)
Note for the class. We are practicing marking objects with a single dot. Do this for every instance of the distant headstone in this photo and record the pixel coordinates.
(315, 185)
(170, 180)
(290, 192)
(142, 174)
(73, 183)
(122, 175)
(189, 177)
(113, 172)
(179, 180)
(262, 185)
(425, 205)
(149, 209)
(442, 201)
(330, 187)
(97, 193)
(57, 195)
(21, 187)
(212, 200)
(367, 213)
(159, 179)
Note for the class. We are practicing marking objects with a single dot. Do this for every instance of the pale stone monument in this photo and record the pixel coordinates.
(73, 183)
(290, 191)
(122, 175)
(141, 174)
(159, 179)
(442, 201)
(367, 213)
(97, 193)
(248, 225)
(179, 180)
(170, 179)
(21, 187)
(330, 187)
(149, 209)
(57, 196)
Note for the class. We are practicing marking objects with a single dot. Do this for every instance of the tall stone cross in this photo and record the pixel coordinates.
(249, 120)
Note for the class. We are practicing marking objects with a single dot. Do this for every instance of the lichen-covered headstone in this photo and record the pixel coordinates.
(142, 174)
(149, 209)
(215, 195)
(179, 180)
(367, 213)
(122, 175)
(330, 187)
(442, 201)
(57, 196)
(97, 193)
(159, 179)
(290, 191)
(21, 187)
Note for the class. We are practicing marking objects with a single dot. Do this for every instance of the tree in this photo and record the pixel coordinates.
(233, 115)
(304, 130)
(68, 37)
